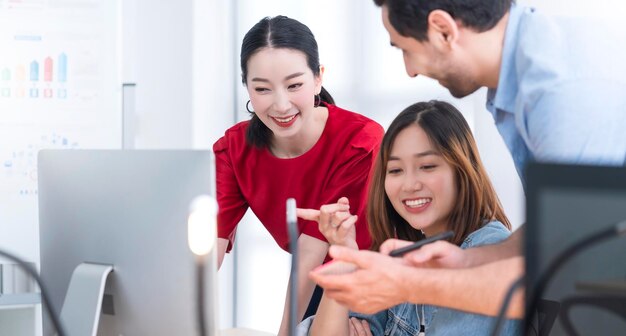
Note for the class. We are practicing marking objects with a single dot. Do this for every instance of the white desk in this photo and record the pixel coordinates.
(243, 332)
(19, 299)
(29, 299)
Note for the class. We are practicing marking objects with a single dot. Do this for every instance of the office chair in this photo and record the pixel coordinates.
(546, 314)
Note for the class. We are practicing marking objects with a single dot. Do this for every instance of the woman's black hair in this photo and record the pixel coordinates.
(278, 32)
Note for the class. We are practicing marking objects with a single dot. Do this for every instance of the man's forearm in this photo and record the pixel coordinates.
(478, 289)
(511, 247)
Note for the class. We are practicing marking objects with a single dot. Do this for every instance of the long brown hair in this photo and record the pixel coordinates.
(477, 202)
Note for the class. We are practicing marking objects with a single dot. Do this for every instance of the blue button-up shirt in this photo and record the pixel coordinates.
(561, 93)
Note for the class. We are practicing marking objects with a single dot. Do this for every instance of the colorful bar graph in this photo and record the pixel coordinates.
(48, 75)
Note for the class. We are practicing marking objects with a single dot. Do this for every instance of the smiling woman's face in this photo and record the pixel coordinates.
(282, 88)
(419, 182)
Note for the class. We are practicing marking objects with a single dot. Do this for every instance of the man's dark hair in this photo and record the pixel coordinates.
(410, 17)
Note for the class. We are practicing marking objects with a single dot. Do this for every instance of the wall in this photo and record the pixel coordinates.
(158, 59)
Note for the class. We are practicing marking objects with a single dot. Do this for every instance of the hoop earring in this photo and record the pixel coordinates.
(317, 100)
(248, 108)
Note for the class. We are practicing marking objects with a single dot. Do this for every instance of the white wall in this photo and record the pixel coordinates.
(158, 58)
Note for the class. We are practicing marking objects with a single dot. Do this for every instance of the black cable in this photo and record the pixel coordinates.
(505, 305)
(613, 231)
(200, 295)
(44, 293)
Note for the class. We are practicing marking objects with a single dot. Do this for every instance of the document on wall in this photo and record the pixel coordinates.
(60, 87)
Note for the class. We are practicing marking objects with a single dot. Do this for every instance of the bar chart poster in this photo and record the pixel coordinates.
(60, 87)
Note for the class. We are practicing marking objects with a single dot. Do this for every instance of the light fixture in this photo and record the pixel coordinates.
(201, 230)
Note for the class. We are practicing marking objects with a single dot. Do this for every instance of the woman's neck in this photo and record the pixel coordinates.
(434, 230)
(303, 141)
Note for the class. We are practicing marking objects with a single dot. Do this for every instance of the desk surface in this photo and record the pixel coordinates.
(19, 299)
(9, 301)
(617, 287)
(243, 332)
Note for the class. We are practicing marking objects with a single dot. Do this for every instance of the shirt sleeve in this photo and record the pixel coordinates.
(350, 179)
(492, 233)
(377, 322)
(581, 122)
(232, 205)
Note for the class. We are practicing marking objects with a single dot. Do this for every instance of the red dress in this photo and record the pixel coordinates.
(337, 165)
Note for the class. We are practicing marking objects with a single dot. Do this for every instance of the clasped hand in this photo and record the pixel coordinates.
(381, 281)
(334, 221)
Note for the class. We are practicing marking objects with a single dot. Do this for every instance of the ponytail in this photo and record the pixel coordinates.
(326, 97)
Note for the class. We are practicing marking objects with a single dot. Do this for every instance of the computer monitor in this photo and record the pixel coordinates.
(128, 209)
(566, 203)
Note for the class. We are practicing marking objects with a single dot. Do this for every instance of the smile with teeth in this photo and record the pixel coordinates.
(416, 203)
(285, 120)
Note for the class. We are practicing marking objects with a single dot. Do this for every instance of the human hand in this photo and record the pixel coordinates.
(439, 254)
(334, 221)
(359, 327)
(377, 283)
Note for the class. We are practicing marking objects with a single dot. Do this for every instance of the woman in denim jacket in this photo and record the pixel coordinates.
(428, 178)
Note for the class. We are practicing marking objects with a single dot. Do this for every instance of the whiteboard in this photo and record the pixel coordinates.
(60, 87)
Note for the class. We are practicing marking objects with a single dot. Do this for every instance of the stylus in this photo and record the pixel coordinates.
(403, 250)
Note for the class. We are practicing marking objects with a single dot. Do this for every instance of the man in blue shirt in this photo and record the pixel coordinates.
(557, 93)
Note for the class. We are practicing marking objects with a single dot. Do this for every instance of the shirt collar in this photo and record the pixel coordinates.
(503, 97)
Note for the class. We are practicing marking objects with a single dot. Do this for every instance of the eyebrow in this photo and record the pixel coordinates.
(418, 155)
(293, 75)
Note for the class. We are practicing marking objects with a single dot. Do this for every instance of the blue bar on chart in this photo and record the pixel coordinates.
(34, 77)
(62, 75)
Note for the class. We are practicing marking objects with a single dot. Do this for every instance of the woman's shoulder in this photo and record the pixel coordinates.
(361, 131)
(491, 233)
(352, 119)
(233, 136)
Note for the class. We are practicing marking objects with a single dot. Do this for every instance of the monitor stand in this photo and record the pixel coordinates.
(81, 309)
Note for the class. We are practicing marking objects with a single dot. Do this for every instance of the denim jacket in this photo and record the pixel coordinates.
(405, 319)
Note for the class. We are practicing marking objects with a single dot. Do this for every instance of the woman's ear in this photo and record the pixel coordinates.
(318, 80)
(443, 30)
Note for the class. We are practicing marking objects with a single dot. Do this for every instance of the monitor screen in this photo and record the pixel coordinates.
(128, 209)
(565, 204)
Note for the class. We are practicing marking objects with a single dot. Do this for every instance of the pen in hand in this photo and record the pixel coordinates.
(340, 267)
(404, 250)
